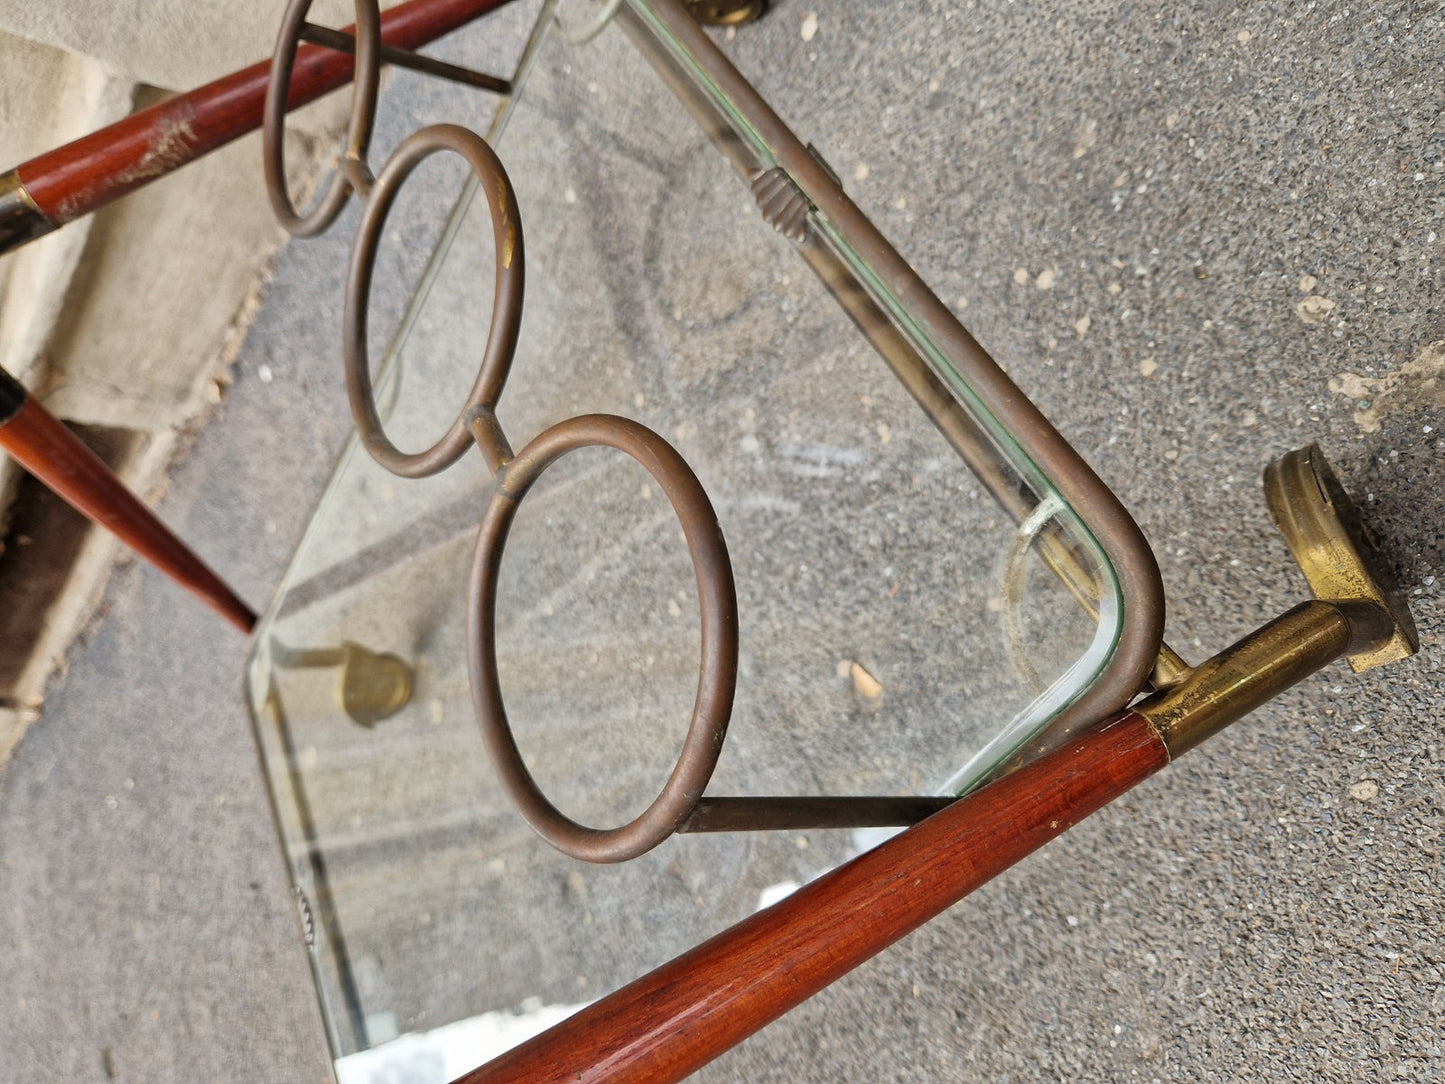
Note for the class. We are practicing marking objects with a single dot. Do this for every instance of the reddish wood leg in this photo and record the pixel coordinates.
(675, 1019)
(72, 181)
(51, 452)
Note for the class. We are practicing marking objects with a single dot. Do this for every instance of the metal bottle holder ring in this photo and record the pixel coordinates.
(717, 600)
(366, 82)
(680, 805)
(506, 299)
(352, 174)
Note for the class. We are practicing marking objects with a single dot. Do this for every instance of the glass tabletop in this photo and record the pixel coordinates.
(907, 624)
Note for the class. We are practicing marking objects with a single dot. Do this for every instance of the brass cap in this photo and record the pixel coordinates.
(725, 12)
(1335, 550)
(371, 685)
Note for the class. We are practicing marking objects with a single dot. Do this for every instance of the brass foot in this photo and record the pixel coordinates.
(1334, 548)
(725, 12)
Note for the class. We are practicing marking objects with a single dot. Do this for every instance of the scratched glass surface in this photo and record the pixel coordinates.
(892, 618)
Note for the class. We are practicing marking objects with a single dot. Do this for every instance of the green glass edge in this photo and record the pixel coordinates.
(902, 318)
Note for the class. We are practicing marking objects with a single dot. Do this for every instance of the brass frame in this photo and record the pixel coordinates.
(926, 376)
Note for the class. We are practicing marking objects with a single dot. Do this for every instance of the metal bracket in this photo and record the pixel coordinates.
(782, 202)
(343, 42)
(370, 685)
(1358, 612)
(1335, 549)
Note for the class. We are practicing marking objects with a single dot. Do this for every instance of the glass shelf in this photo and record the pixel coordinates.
(907, 625)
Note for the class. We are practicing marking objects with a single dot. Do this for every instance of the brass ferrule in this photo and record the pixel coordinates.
(1261, 666)
(21, 220)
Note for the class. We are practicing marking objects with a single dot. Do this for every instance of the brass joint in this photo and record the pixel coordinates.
(358, 173)
(1358, 613)
(1169, 669)
(1258, 668)
(725, 12)
(373, 684)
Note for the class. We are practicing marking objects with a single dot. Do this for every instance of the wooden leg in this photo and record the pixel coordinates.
(72, 181)
(51, 452)
(675, 1019)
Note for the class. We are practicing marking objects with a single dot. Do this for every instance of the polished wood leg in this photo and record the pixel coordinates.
(72, 181)
(37, 440)
(674, 1020)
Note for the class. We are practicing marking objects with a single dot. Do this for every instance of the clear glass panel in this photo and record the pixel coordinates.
(897, 614)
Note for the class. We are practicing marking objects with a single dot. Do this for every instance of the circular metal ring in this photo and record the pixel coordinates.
(506, 298)
(591, 26)
(717, 600)
(366, 81)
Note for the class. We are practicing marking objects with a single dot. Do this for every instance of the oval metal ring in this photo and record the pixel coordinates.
(366, 81)
(506, 298)
(717, 600)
